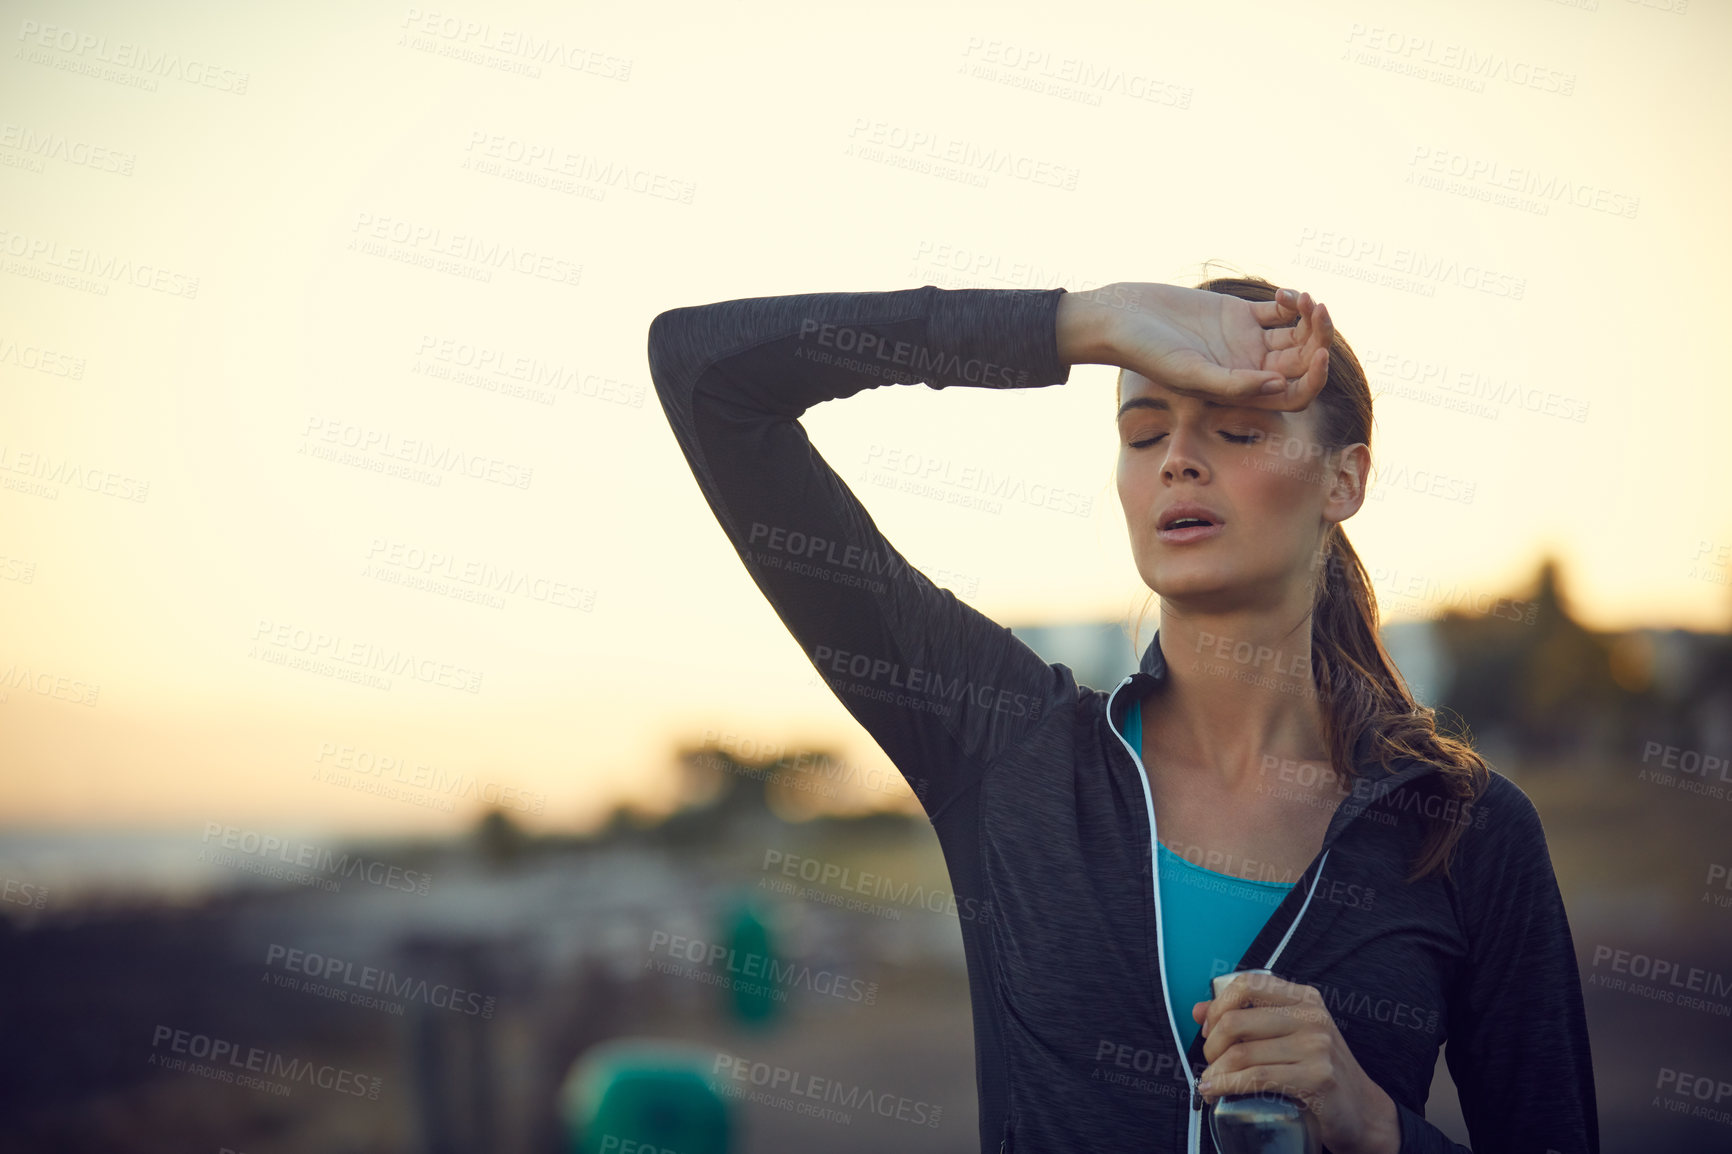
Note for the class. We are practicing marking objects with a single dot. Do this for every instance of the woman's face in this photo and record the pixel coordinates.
(1269, 488)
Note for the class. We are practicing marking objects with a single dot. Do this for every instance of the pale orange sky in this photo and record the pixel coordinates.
(1544, 182)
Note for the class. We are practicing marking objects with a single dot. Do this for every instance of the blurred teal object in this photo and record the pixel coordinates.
(646, 1096)
(751, 965)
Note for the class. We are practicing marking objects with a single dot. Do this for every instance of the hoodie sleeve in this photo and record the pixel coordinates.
(1518, 1036)
(940, 687)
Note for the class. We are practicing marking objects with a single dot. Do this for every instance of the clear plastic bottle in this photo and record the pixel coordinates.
(1265, 1123)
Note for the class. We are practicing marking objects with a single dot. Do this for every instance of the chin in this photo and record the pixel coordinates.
(1192, 580)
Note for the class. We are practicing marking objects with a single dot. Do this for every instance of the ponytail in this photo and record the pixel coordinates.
(1361, 691)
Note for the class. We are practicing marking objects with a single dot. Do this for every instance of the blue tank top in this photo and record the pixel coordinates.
(1208, 918)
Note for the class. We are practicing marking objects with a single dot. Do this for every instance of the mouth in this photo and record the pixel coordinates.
(1185, 516)
(1185, 523)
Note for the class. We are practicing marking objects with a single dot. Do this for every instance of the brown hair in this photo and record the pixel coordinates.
(1356, 681)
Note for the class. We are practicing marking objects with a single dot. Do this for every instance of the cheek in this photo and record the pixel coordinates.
(1275, 493)
(1129, 481)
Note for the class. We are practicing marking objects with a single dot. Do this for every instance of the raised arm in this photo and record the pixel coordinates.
(940, 687)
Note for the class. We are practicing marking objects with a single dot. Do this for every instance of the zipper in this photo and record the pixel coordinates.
(1194, 1123)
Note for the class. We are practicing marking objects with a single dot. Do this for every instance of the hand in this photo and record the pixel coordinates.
(1202, 343)
(1266, 1034)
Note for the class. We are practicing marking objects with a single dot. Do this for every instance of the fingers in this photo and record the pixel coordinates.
(1257, 1023)
(1196, 376)
(1281, 332)
(1322, 333)
(1282, 310)
(1248, 995)
(1289, 1079)
(1305, 367)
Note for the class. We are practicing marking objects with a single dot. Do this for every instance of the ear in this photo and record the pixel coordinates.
(1349, 472)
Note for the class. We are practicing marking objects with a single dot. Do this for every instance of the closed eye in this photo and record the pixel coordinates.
(1247, 439)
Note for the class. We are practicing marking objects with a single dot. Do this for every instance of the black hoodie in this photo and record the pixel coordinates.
(1042, 809)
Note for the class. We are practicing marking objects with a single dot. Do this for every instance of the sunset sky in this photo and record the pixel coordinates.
(247, 288)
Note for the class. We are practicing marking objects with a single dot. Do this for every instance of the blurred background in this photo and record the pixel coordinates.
(394, 755)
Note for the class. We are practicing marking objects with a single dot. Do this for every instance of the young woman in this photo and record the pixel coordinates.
(1400, 892)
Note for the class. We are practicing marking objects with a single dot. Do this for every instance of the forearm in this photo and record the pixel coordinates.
(1085, 329)
(784, 354)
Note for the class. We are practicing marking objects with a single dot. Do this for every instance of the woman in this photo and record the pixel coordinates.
(1424, 906)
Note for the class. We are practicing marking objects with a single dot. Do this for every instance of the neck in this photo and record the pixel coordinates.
(1237, 700)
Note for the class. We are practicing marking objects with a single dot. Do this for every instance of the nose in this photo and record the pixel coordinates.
(1184, 454)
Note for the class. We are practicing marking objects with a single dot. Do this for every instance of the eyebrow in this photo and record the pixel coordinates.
(1159, 403)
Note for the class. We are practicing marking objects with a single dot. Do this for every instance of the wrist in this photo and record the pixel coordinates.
(1381, 1133)
(1085, 329)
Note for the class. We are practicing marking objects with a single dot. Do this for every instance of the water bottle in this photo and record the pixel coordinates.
(1266, 1123)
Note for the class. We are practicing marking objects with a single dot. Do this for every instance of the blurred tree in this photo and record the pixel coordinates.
(1533, 673)
(498, 840)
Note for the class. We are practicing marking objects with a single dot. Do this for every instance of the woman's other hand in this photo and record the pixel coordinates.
(1202, 343)
(1268, 1035)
